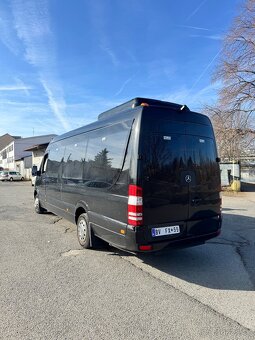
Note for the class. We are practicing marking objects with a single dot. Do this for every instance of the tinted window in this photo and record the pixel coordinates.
(74, 158)
(165, 126)
(164, 156)
(200, 150)
(55, 159)
(105, 152)
(201, 157)
(44, 162)
(167, 154)
(199, 130)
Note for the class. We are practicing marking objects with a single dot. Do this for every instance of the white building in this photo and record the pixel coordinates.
(38, 151)
(14, 157)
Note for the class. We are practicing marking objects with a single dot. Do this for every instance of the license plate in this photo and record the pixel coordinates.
(175, 229)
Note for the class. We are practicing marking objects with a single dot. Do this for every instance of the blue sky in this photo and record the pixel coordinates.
(62, 62)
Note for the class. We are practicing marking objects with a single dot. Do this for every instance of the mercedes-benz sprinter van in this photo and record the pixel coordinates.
(144, 176)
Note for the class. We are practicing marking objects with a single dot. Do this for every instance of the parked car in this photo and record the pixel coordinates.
(11, 176)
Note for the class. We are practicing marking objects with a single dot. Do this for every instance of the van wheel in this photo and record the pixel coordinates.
(37, 205)
(83, 231)
(11, 179)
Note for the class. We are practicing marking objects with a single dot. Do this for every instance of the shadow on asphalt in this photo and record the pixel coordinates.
(223, 263)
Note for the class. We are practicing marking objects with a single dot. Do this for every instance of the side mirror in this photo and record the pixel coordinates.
(218, 159)
(34, 170)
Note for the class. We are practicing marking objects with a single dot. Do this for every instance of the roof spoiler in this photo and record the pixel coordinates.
(141, 102)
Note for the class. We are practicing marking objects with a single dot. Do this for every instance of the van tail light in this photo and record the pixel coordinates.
(146, 247)
(135, 205)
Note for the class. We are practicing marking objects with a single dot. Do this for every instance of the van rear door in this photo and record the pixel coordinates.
(204, 187)
(165, 192)
(180, 175)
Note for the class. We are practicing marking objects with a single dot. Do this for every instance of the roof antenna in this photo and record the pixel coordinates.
(184, 107)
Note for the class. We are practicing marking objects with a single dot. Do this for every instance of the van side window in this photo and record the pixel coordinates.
(74, 158)
(105, 152)
(55, 159)
(44, 164)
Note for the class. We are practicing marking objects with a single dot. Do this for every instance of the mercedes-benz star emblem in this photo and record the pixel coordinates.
(188, 178)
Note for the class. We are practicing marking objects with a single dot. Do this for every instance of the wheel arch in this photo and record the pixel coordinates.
(81, 208)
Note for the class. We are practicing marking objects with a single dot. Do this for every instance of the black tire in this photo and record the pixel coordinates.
(22, 179)
(83, 231)
(37, 205)
(11, 179)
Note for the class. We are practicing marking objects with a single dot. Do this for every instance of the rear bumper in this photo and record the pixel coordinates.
(192, 233)
(178, 243)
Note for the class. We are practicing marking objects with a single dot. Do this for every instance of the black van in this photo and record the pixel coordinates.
(144, 176)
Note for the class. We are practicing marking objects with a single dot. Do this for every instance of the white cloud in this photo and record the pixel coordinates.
(159, 68)
(31, 20)
(195, 100)
(32, 23)
(7, 32)
(56, 100)
(206, 69)
(196, 9)
(211, 37)
(98, 19)
(27, 117)
(123, 86)
(14, 88)
(194, 27)
(22, 85)
(115, 61)
(19, 86)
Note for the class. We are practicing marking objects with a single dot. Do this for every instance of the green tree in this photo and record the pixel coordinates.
(102, 160)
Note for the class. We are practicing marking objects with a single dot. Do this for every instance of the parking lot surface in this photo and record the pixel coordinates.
(50, 288)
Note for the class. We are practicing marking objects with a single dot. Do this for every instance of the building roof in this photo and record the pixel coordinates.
(6, 139)
(22, 145)
(37, 147)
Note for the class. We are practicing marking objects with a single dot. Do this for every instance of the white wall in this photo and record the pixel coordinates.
(20, 166)
(225, 168)
(37, 157)
(9, 163)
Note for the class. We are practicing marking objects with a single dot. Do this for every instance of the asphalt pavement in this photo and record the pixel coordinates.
(50, 288)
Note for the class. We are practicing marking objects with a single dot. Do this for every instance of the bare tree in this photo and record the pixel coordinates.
(233, 135)
(237, 66)
(233, 114)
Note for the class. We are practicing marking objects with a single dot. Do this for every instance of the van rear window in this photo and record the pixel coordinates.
(166, 155)
(170, 126)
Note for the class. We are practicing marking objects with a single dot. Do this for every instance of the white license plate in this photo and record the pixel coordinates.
(175, 229)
